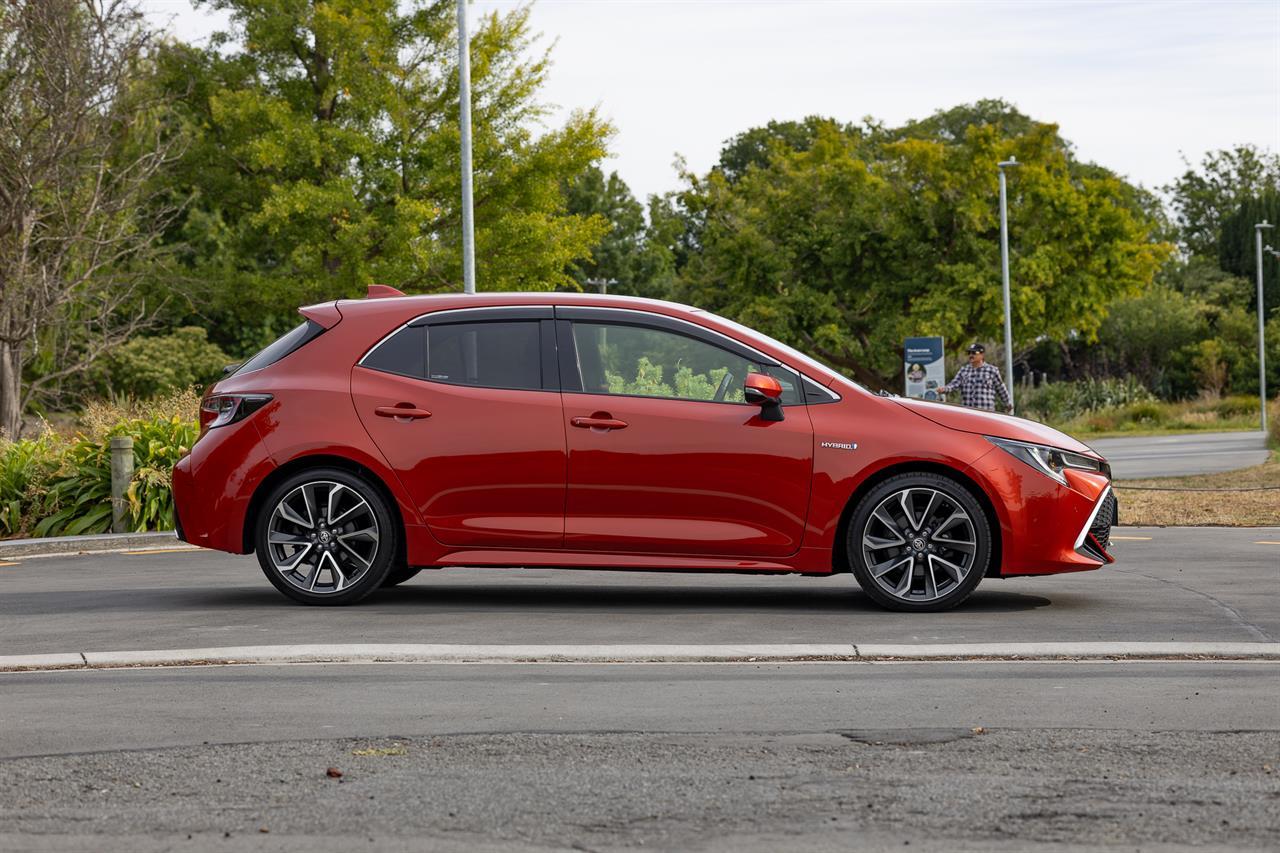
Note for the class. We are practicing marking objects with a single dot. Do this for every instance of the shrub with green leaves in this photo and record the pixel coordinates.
(150, 366)
(25, 468)
(1062, 401)
(54, 486)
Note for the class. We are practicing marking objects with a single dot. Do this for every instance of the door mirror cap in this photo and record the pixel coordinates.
(762, 390)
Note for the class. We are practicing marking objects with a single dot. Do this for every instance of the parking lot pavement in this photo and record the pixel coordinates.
(942, 755)
(933, 756)
(1179, 455)
(1169, 584)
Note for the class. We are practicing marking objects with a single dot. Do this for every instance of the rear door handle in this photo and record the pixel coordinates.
(402, 410)
(598, 423)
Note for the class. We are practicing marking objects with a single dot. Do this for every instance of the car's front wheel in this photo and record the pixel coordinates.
(326, 536)
(919, 542)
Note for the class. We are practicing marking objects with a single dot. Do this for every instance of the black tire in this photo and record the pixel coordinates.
(400, 574)
(942, 535)
(304, 489)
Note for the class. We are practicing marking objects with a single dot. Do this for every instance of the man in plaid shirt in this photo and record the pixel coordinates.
(979, 383)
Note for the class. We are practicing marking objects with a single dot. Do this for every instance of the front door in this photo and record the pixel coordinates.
(480, 445)
(665, 457)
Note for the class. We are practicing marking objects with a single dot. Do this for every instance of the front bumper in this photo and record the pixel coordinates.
(1046, 527)
(1095, 537)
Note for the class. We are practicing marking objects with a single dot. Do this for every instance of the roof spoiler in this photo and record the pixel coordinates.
(325, 314)
(381, 291)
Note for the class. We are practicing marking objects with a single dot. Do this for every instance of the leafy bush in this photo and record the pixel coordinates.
(24, 468)
(1063, 401)
(150, 366)
(55, 486)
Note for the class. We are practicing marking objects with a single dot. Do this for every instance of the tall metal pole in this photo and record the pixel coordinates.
(1004, 271)
(1262, 339)
(464, 122)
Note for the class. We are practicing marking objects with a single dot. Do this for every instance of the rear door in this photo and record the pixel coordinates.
(465, 406)
(665, 457)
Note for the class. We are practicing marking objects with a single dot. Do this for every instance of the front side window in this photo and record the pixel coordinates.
(645, 362)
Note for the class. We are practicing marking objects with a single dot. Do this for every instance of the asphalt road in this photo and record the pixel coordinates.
(1178, 455)
(933, 756)
(1168, 584)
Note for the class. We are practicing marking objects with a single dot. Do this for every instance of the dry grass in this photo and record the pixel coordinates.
(1220, 508)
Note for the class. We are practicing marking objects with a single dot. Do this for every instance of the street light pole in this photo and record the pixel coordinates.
(464, 123)
(1004, 271)
(1262, 340)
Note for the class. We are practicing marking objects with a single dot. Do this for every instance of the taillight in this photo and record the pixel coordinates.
(221, 409)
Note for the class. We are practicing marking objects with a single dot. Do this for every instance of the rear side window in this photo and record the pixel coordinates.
(292, 340)
(489, 355)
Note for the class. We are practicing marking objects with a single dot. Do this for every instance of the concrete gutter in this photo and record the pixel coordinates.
(427, 653)
(51, 545)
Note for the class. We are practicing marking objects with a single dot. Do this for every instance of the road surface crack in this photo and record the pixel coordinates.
(1235, 615)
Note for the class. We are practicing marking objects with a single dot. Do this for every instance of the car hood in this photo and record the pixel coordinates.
(991, 423)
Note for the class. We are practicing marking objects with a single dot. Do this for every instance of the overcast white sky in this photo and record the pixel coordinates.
(1133, 84)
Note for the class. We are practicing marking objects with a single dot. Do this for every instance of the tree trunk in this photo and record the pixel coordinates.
(10, 391)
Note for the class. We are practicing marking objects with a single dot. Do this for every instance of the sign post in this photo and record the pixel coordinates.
(924, 367)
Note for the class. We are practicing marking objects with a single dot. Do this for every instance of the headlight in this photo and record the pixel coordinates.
(1051, 460)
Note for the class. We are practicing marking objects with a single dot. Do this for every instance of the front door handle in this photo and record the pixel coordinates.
(598, 421)
(407, 411)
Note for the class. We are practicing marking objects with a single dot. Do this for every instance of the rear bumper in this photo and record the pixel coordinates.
(213, 484)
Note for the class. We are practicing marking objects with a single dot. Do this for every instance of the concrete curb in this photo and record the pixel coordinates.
(51, 545)
(540, 654)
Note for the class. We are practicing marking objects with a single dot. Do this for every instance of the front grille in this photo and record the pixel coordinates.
(1108, 516)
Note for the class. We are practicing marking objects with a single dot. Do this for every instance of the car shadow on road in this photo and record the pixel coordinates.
(682, 598)
(423, 596)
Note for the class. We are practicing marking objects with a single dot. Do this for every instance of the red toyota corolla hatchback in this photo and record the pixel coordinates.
(387, 435)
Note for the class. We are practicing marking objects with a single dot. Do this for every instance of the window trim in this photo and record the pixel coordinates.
(632, 317)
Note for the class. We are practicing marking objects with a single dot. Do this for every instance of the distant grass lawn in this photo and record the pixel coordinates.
(1219, 508)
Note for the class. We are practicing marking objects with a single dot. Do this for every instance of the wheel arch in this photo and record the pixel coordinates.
(319, 460)
(840, 553)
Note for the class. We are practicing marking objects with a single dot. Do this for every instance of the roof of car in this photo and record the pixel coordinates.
(443, 301)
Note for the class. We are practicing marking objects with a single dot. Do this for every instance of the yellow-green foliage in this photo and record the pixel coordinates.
(53, 485)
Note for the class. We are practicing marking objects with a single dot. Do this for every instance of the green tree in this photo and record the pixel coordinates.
(620, 255)
(1202, 198)
(755, 147)
(327, 156)
(865, 237)
(1238, 249)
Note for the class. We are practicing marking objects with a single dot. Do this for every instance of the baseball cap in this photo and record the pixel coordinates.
(977, 348)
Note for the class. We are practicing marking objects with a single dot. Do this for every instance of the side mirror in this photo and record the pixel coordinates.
(764, 391)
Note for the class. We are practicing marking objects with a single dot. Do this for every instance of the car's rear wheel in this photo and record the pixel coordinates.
(919, 542)
(326, 536)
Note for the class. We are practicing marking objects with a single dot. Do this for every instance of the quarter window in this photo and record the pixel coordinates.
(405, 353)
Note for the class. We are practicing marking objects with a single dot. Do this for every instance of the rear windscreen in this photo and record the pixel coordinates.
(282, 346)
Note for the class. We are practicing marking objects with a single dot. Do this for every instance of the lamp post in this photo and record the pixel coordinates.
(1004, 271)
(1262, 341)
(464, 125)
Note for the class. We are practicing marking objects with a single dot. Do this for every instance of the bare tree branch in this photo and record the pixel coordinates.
(82, 142)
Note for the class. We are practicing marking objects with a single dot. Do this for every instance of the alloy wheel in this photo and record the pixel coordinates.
(322, 537)
(919, 544)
